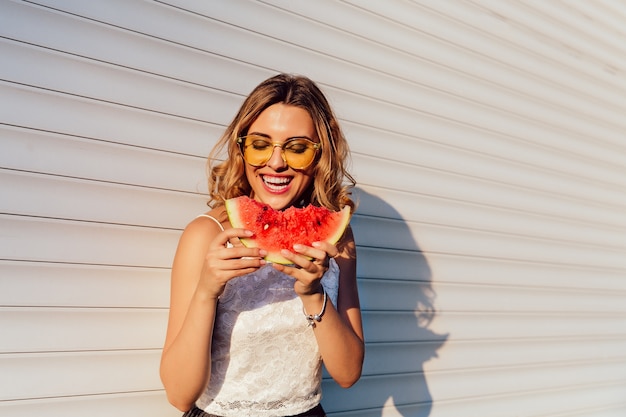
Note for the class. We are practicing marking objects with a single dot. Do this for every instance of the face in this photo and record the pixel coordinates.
(276, 183)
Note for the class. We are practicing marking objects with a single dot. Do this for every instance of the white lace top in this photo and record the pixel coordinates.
(265, 360)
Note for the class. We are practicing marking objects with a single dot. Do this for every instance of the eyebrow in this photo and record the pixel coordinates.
(289, 138)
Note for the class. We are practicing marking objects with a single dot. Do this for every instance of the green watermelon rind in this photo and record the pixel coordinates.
(235, 216)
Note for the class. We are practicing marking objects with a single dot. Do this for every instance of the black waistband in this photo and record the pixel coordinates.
(317, 411)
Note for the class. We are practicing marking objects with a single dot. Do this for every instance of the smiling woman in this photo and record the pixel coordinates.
(276, 182)
(228, 337)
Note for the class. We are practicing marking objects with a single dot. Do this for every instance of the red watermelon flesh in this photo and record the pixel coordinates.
(275, 230)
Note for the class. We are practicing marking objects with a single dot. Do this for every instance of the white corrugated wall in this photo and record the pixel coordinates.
(489, 144)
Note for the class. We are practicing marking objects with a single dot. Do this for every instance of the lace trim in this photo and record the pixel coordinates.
(244, 406)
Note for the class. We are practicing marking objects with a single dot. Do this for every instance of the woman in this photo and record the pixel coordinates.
(238, 343)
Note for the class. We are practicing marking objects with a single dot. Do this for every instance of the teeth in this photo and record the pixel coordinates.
(276, 180)
(276, 183)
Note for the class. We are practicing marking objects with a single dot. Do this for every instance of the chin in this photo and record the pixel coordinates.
(278, 203)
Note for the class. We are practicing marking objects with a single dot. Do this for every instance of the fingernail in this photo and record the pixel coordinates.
(262, 252)
(298, 247)
(316, 244)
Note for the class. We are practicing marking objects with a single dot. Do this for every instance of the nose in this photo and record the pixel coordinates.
(277, 161)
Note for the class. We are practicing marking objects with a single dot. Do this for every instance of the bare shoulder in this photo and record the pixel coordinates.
(207, 224)
(195, 241)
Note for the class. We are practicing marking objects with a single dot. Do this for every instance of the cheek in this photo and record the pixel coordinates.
(249, 171)
(308, 180)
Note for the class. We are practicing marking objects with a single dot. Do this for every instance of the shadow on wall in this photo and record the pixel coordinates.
(397, 300)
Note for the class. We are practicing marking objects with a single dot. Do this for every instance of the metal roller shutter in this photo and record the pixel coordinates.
(488, 141)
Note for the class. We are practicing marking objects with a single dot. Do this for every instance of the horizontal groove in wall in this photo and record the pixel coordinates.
(95, 201)
(388, 326)
(81, 329)
(510, 297)
(447, 264)
(34, 285)
(391, 358)
(152, 401)
(36, 152)
(115, 245)
(112, 378)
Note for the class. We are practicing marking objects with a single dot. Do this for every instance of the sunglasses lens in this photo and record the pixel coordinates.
(257, 150)
(298, 153)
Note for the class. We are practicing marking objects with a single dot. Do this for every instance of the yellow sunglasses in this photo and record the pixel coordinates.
(297, 152)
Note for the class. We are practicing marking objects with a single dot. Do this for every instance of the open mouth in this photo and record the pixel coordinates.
(276, 184)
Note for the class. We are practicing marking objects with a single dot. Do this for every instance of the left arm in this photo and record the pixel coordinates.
(340, 333)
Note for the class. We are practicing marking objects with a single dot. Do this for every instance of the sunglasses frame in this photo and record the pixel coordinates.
(316, 147)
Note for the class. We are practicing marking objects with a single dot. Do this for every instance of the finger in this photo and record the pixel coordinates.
(218, 273)
(294, 258)
(224, 237)
(311, 253)
(331, 250)
(240, 264)
(240, 253)
(319, 255)
(306, 263)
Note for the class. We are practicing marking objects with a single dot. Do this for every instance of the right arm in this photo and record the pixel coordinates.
(202, 267)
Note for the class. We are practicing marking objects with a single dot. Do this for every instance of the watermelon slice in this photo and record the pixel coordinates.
(275, 230)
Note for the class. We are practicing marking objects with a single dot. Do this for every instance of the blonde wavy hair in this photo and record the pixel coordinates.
(331, 183)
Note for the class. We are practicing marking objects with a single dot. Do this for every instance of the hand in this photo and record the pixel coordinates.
(222, 264)
(310, 265)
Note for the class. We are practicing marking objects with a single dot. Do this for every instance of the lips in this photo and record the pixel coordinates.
(276, 184)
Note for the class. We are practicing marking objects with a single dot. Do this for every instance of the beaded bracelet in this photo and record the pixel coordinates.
(312, 318)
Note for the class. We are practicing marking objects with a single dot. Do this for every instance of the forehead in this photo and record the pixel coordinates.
(281, 121)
